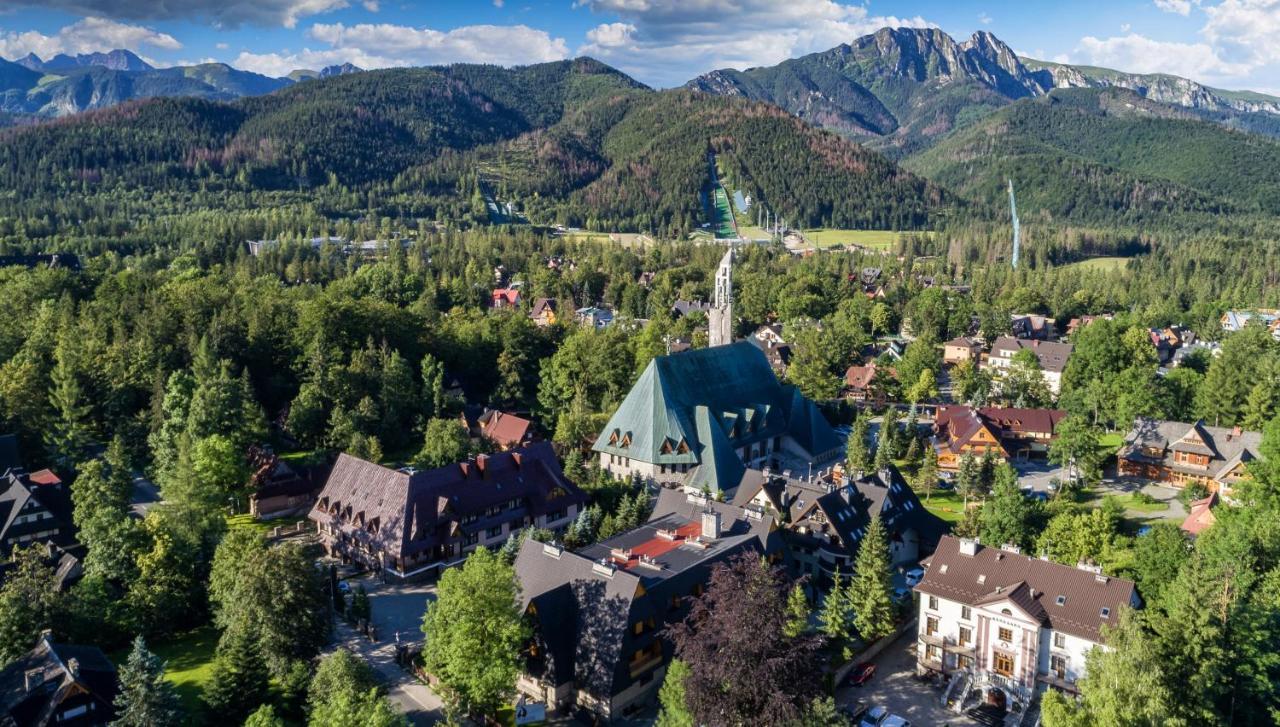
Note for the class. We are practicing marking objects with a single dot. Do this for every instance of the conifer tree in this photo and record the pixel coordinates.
(871, 590)
(857, 456)
(146, 698)
(797, 612)
(239, 683)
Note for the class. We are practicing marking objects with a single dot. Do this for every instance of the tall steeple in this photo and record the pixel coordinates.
(721, 314)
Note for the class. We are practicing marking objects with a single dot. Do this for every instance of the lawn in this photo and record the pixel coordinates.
(882, 239)
(945, 504)
(188, 665)
(1111, 442)
(1131, 504)
(264, 527)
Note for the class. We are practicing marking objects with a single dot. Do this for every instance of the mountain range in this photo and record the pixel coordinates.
(32, 88)
(901, 89)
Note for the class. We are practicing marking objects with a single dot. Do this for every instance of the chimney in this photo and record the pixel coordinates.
(1089, 567)
(73, 668)
(1011, 548)
(969, 546)
(886, 476)
(481, 461)
(710, 524)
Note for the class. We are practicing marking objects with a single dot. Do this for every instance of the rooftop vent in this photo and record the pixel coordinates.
(648, 561)
(667, 534)
(623, 554)
(1090, 567)
(1105, 613)
(943, 568)
(1061, 600)
(552, 550)
(604, 567)
(982, 578)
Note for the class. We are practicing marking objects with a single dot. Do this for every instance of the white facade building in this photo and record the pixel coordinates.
(1010, 621)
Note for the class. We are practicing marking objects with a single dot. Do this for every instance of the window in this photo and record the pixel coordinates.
(1061, 600)
(966, 635)
(932, 653)
(931, 625)
(933, 602)
(1106, 613)
(1059, 641)
(964, 662)
(471, 539)
(1005, 634)
(1058, 665)
(966, 613)
(493, 532)
(1004, 664)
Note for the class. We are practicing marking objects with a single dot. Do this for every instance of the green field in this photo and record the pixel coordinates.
(188, 665)
(946, 505)
(881, 239)
(1101, 263)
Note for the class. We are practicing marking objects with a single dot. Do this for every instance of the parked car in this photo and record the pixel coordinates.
(902, 594)
(344, 586)
(914, 576)
(874, 717)
(861, 674)
(1038, 495)
(894, 720)
(855, 711)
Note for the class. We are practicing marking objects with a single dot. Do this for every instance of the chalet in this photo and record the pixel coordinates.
(1177, 454)
(860, 384)
(278, 489)
(1234, 320)
(824, 519)
(768, 338)
(594, 317)
(1052, 356)
(1076, 324)
(506, 298)
(1167, 341)
(1010, 622)
(58, 684)
(1033, 327)
(961, 349)
(1006, 432)
(598, 615)
(505, 431)
(701, 418)
(544, 312)
(33, 510)
(410, 523)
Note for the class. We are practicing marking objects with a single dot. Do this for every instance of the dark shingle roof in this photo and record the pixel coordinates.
(1033, 584)
(35, 706)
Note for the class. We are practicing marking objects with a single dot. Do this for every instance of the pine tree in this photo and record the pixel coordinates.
(69, 433)
(146, 699)
(797, 612)
(239, 681)
(674, 711)
(836, 619)
(871, 591)
(264, 716)
(884, 448)
(927, 476)
(967, 478)
(857, 457)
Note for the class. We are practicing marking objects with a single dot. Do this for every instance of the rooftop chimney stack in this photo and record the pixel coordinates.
(969, 546)
(710, 524)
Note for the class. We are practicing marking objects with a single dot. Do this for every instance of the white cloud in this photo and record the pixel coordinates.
(384, 45)
(667, 42)
(220, 13)
(371, 5)
(86, 35)
(1138, 54)
(1125, 27)
(221, 46)
(984, 18)
(499, 3)
(1181, 7)
(1245, 31)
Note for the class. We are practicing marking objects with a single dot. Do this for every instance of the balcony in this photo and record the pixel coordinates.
(947, 644)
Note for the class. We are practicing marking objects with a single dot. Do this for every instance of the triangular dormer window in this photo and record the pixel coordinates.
(667, 447)
(682, 447)
(626, 440)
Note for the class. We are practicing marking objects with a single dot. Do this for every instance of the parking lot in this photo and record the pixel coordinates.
(894, 686)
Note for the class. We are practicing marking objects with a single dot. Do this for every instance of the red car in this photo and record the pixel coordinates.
(861, 675)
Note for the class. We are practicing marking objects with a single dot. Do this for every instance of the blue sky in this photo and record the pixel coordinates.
(1231, 43)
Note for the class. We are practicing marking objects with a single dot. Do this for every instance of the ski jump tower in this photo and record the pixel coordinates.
(1017, 232)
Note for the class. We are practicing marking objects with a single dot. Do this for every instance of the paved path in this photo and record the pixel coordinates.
(395, 609)
(895, 687)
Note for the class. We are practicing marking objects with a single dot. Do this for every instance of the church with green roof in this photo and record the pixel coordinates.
(704, 418)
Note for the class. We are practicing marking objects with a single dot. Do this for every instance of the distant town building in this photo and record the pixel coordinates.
(1033, 327)
(1011, 622)
(409, 523)
(768, 338)
(505, 431)
(506, 298)
(1006, 432)
(598, 615)
(594, 317)
(1201, 517)
(961, 349)
(682, 308)
(34, 508)
(859, 384)
(544, 312)
(1053, 358)
(1236, 320)
(279, 489)
(1178, 454)
(1076, 324)
(701, 418)
(59, 684)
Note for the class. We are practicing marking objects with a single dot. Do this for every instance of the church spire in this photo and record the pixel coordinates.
(721, 314)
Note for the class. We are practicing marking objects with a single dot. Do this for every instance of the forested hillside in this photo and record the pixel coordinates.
(1105, 155)
(575, 142)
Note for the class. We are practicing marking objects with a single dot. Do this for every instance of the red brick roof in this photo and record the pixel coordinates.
(859, 377)
(506, 430)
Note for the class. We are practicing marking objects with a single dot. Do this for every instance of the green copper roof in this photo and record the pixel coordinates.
(741, 401)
